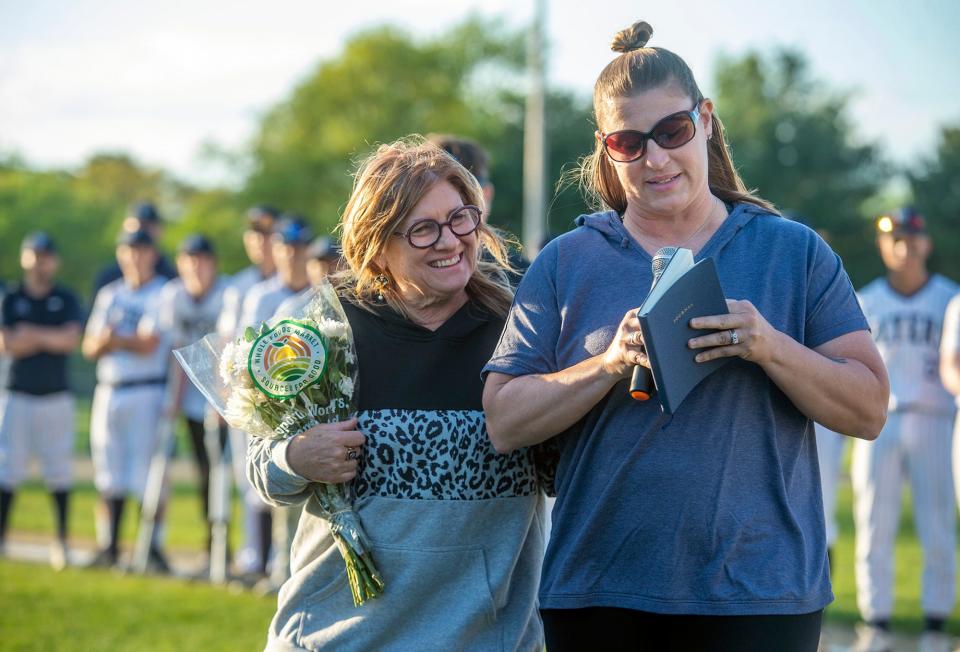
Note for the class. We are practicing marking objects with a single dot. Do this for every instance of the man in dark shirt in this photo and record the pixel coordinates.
(142, 217)
(40, 328)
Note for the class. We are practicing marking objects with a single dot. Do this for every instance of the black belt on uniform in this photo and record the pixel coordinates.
(136, 383)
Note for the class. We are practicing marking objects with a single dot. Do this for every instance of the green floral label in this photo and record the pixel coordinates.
(287, 359)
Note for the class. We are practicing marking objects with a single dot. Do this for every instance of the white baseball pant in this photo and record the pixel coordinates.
(916, 447)
(38, 426)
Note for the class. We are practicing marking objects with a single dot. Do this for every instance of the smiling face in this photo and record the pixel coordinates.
(662, 181)
(439, 273)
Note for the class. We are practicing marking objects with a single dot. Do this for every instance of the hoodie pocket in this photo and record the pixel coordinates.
(434, 599)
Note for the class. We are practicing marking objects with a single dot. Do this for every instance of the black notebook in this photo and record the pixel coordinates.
(685, 290)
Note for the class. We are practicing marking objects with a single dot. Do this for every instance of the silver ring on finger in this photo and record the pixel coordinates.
(638, 358)
(636, 338)
(734, 337)
(352, 453)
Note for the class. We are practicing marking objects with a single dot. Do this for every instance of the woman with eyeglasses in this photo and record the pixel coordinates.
(455, 527)
(702, 530)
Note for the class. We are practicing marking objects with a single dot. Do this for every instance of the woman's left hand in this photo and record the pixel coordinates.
(743, 332)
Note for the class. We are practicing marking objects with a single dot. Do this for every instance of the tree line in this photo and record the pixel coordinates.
(792, 138)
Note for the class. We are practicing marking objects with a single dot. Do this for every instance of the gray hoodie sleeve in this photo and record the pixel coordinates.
(271, 474)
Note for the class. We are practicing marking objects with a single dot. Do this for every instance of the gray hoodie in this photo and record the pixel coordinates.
(457, 529)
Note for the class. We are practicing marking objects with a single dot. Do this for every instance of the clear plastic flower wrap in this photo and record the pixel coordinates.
(282, 377)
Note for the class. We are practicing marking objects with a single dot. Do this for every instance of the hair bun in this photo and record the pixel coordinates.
(632, 38)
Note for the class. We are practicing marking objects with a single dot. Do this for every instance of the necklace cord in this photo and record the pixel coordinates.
(688, 238)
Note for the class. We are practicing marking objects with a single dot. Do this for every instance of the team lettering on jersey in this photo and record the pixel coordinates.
(909, 328)
(907, 331)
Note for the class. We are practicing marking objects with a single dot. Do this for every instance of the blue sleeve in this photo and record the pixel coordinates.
(832, 308)
(528, 342)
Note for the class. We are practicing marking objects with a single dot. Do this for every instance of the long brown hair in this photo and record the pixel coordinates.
(387, 186)
(639, 68)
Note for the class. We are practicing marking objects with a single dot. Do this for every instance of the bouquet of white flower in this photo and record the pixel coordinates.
(283, 377)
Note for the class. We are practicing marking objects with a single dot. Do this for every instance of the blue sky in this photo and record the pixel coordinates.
(160, 79)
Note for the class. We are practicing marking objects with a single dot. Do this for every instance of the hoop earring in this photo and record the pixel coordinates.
(382, 281)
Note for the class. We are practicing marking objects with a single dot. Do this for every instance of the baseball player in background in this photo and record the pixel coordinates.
(40, 328)
(142, 216)
(188, 309)
(906, 311)
(291, 240)
(251, 560)
(323, 259)
(132, 370)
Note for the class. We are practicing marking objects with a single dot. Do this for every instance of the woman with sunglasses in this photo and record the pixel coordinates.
(702, 530)
(455, 527)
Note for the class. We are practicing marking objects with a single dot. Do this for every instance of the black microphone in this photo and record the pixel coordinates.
(641, 384)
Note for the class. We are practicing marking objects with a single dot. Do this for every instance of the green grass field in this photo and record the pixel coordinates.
(89, 610)
(82, 610)
(33, 514)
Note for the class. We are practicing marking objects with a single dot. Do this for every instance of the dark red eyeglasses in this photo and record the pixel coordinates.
(423, 234)
(671, 132)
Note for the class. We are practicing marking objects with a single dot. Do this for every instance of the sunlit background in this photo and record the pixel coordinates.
(160, 80)
(835, 110)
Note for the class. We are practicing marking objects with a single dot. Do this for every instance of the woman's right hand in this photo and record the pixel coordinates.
(626, 350)
(327, 452)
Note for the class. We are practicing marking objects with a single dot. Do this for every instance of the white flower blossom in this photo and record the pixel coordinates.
(241, 373)
(233, 364)
(241, 407)
(332, 328)
(227, 363)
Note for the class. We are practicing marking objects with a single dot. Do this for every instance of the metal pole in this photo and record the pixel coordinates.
(534, 139)
(157, 474)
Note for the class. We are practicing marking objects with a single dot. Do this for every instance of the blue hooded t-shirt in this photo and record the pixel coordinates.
(717, 509)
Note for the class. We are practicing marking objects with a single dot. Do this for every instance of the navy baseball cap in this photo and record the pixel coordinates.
(324, 248)
(262, 218)
(39, 242)
(292, 230)
(145, 212)
(196, 244)
(139, 238)
(905, 221)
